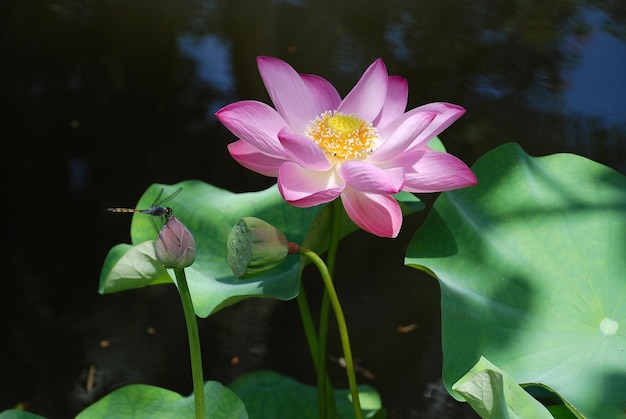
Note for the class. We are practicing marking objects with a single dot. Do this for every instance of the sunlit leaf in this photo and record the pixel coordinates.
(139, 401)
(127, 267)
(531, 265)
(493, 394)
(210, 213)
(268, 394)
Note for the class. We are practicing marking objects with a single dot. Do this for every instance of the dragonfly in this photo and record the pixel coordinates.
(156, 210)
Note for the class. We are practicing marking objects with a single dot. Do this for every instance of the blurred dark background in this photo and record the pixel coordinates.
(104, 97)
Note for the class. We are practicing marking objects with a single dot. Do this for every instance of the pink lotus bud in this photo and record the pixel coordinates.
(175, 247)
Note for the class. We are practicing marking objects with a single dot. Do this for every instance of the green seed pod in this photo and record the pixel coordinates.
(255, 247)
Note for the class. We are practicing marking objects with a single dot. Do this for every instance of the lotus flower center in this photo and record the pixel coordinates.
(343, 137)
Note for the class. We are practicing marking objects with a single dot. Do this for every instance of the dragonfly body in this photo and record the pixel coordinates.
(156, 209)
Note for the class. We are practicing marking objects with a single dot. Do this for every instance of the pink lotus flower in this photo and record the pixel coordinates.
(363, 148)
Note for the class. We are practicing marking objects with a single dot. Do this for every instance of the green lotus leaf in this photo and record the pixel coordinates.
(493, 394)
(128, 267)
(268, 394)
(531, 265)
(140, 401)
(209, 213)
(18, 414)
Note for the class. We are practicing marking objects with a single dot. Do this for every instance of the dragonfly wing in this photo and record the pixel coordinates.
(157, 199)
(169, 198)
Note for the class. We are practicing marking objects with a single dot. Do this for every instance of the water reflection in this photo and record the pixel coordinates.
(599, 78)
(213, 59)
(106, 98)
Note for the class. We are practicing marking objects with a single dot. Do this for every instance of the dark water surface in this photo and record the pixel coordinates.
(103, 98)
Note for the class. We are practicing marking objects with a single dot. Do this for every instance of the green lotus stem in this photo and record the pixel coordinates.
(307, 323)
(194, 342)
(341, 324)
(325, 390)
(333, 244)
(321, 356)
